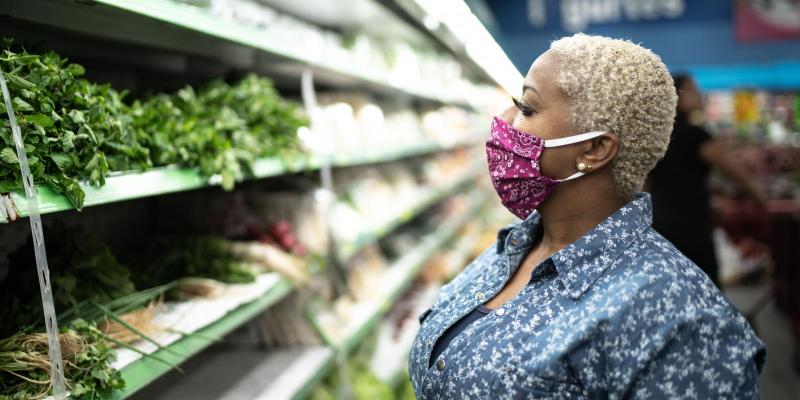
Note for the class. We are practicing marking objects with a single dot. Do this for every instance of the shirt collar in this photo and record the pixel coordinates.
(582, 262)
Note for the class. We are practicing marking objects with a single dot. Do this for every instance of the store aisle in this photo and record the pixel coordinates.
(778, 380)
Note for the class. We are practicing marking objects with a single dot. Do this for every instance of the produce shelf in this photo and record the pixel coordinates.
(472, 50)
(397, 371)
(146, 370)
(405, 215)
(399, 276)
(122, 186)
(176, 26)
(245, 372)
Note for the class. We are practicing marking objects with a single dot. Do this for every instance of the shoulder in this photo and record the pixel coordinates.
(652, 263)
(668, 296)
(666, 314)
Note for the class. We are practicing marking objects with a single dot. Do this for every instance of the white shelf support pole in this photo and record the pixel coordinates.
(51, 323)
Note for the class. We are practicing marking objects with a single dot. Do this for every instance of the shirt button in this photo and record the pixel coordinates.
(479, 296)
(501, 311)
(440, 364)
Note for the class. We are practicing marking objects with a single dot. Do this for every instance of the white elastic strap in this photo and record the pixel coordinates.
(572, 139)
(573, 176)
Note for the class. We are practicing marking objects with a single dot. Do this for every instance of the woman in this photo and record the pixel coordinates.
(582, 298)
(678, 183)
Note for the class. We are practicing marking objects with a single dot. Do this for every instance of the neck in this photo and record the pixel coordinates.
(568, 214)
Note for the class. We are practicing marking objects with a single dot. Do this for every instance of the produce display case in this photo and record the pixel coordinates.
(276, 250)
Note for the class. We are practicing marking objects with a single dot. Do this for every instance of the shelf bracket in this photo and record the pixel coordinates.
(42, 271)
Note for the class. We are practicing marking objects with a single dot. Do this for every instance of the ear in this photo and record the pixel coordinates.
(599, 152)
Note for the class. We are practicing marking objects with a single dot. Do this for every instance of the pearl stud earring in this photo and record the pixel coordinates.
(582, 167)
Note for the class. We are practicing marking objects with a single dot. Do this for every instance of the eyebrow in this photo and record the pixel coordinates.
(531, 88)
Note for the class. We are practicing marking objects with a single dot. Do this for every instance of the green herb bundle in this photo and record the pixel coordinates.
(77, 130)
(220, 129)
(169, 259)
(82, 268)
(25, 364)
(72, 129)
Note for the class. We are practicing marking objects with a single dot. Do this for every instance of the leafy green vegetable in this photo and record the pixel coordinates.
(75, 130)
(25, 365)
(81, 268)
(61, 114)
(196, 256)
(220, 129)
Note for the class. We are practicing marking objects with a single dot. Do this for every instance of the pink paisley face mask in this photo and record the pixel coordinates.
(513, 158)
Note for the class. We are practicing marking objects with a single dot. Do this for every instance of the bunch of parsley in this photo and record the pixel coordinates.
(75, 130)
(25, 364)
(72, 129)
(221, 129)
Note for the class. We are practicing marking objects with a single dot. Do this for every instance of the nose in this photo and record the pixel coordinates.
(509, 114)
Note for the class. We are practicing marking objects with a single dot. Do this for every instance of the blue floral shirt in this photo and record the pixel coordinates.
(620, 313)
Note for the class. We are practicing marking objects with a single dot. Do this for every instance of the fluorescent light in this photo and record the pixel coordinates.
(478, 42)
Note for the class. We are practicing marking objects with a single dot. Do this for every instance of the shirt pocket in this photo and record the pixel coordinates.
(514, 383)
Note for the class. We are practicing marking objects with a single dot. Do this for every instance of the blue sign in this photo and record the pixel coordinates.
(689, 35)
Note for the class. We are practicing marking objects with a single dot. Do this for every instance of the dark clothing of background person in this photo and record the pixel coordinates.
(678, 186)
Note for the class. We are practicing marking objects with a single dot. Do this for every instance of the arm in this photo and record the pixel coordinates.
(714, 153)
(709, 358)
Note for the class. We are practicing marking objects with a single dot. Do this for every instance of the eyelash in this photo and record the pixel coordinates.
(524, 108)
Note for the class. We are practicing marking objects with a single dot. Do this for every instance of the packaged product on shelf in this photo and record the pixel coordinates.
(365, 271)
(347, 223)
(356, 123)
(192, 287)
(292, 219)
(270, 258)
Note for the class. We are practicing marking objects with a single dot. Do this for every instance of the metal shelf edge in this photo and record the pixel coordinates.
(164, 180)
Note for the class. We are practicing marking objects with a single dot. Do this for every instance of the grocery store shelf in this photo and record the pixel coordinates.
(407, 214)
(414, 15)
(241, 371)
(461, 250)
(124, 186)
(472, 44)
(283, 374)
(188, 29)
(146, 370)
(399, 276)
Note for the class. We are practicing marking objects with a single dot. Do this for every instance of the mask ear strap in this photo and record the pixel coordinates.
(573, 176)
(572, 139)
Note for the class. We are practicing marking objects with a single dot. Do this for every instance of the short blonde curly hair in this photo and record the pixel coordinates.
(617, 86)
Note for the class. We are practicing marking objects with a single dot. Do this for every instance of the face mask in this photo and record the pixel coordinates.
(513, 158)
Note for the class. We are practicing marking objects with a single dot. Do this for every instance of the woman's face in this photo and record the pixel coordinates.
(543, 111)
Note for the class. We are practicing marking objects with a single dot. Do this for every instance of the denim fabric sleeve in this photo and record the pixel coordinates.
(708, 357)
